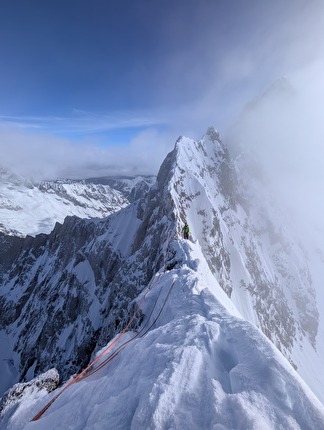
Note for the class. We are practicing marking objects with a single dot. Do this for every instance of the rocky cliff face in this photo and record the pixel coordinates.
(47, 381)
(66, 294)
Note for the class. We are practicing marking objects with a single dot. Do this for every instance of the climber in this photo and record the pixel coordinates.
(185, 231)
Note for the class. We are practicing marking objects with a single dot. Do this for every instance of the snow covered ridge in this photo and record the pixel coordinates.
(66, 295)
(28, 207)
(200, 366)
(258, 262)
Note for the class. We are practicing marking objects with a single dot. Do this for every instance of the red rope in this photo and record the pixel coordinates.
(140, 334)
(109, 347)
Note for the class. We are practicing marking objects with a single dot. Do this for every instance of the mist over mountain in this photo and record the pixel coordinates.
(282, 132)
(221, 331)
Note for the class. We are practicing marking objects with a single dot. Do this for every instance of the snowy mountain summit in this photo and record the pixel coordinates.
(214, 332)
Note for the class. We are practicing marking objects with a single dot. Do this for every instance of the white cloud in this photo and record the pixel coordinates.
(285, 128)
(44, 156)
(82, 122)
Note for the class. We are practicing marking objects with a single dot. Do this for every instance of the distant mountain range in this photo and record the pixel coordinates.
(28, 207)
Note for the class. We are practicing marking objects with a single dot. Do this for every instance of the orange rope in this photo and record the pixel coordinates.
(109, 347)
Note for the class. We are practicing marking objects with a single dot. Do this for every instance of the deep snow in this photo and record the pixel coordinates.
(201, 366)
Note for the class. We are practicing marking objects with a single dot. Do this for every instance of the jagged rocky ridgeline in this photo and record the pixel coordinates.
(66, 294)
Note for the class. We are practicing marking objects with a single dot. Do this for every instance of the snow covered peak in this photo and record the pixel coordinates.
(257, 261)
(208, 146)
(213, 134)
(204, 164)
(202, 172)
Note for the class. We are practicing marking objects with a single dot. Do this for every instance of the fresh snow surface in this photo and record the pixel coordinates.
(200, 366)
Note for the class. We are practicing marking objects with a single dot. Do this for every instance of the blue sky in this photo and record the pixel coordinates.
(88, 76)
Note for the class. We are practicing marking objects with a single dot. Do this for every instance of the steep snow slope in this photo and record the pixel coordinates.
(258, 262)
(200, 366)
(29, 207)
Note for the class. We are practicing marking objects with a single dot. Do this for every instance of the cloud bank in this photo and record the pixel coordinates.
(284, 129)
(42, 156)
